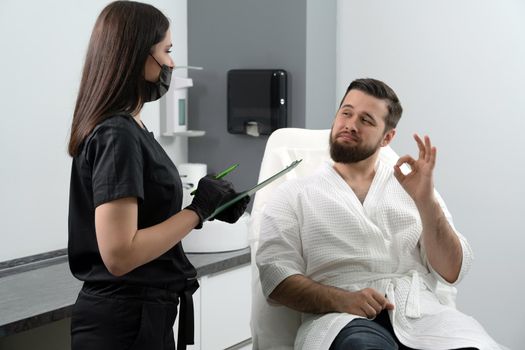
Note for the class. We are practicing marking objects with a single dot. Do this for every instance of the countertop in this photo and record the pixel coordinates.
(35, 294)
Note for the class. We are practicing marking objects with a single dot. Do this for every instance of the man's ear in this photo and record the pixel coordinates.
(388, 137)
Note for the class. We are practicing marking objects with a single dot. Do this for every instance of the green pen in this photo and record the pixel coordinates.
(221, 175)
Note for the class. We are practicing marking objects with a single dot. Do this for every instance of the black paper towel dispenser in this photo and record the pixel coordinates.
(257, 101)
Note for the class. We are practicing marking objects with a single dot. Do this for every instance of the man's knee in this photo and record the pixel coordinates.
(358, 342)
(363, 335)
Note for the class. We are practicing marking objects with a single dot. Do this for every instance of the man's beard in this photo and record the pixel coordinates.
(342, 153)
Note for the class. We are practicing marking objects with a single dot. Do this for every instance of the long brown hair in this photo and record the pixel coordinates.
(113, 76)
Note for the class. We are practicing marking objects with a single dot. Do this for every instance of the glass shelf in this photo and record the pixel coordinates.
(187, 133)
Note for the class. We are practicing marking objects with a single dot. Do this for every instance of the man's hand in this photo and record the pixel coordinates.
(440, 241)
(419, 182)
(367, 302)
(300, 293)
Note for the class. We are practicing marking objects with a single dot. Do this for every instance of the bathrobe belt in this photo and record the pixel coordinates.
(413, 305)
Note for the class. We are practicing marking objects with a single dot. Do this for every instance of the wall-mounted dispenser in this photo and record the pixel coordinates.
(174, 108)
(257, 101)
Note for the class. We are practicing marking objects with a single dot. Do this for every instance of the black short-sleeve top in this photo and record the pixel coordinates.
(120, 159)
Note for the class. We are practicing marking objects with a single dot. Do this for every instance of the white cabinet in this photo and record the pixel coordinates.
(225, 308)
(222, 309)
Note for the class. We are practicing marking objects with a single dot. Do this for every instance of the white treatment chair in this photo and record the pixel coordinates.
(273, 326)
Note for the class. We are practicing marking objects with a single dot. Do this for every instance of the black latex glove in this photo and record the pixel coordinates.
(211, 193)
(233, 213)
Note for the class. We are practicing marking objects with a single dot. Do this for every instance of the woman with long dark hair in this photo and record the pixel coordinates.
(125, 217)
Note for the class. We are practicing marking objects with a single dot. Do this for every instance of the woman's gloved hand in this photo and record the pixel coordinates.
(211, 193)
(233, 213)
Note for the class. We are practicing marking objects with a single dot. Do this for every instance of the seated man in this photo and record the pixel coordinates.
(366, 252)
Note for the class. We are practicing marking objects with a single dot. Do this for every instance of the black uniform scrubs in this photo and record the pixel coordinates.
(135, 311)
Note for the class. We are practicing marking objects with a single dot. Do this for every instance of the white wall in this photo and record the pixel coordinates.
(43, 49)
(458, 68)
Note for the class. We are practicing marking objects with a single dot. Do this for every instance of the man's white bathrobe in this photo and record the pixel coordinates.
(316, 226)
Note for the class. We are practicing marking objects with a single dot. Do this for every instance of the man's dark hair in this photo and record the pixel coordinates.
(382, 91)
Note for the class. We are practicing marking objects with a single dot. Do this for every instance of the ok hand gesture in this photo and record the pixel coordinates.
(419, 182)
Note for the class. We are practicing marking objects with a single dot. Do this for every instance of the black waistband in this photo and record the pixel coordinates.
(130, 291)
(157, 294)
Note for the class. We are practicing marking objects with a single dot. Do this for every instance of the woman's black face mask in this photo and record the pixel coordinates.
(156, 90)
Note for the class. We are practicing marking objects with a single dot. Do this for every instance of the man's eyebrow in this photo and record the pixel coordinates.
(369, 115)
(364, 113)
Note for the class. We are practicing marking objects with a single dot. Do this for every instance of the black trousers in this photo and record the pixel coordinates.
(114, 317)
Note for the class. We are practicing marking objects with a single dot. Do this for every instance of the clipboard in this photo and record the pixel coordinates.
(253, 189)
